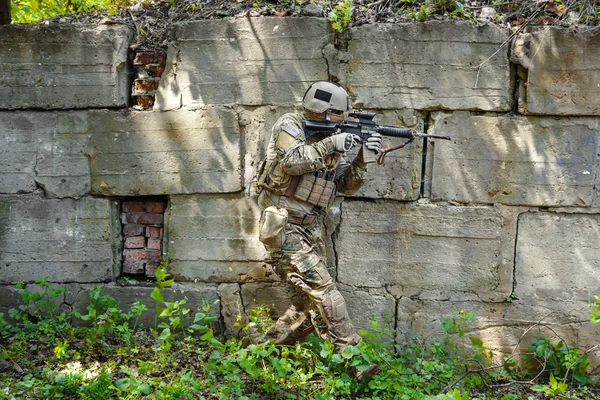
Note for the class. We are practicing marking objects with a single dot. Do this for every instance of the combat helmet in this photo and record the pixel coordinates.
(326, 97)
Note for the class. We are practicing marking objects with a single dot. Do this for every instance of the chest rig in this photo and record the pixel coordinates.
(316, 188)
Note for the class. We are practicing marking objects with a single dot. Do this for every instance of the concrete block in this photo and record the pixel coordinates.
(563, 71)
(515, 160)
(255, 127)
(197, 295)
(215, 239)
(399, 178)
(558, 256)
(65, 240)
(152, 153)
(372, 303)
(9, 298)
(502, 326)
(434, 65)
(231, 308)
(438, 252)
(250, 61)
(45, 149)
(277, 296)
(64, 66)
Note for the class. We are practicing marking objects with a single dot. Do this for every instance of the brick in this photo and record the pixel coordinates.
(151, 270)
(145, 57)
(134, 261)
(135, 242)
(131, 218)
(161, 57)
(151, 219)
(154, 232)
(135, 255)
(133, 229)
(154, 256)
(146, 85)
(154, 70)
(133, 206)
(155, 244)
(154, 206)
(145, 101)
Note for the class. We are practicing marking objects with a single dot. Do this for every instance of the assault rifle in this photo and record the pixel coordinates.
(365, 127)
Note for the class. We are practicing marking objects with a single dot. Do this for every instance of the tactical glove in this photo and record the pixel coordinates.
(373, 143)
(343, 142)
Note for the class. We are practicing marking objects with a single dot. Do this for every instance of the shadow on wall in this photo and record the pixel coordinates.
(505, 159)
(248, 61)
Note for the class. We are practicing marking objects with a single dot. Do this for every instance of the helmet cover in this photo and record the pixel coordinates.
(325, 95)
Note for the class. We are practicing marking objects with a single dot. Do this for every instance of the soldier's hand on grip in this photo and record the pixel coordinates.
(373, 143)
(343, 142)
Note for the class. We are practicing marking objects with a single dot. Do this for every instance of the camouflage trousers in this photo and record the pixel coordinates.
(319, 305)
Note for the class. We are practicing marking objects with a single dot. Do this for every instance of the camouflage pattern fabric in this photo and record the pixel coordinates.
(300, 261)
(319, 306)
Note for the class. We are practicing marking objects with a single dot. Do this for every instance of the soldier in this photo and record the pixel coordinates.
(297, 184)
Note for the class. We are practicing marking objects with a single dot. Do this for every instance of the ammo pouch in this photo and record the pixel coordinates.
(317, 188)
(272, 227)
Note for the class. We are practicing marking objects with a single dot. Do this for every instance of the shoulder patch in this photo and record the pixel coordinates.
(292, 130)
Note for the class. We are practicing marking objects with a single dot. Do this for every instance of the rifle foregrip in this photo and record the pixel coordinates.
(396, 132)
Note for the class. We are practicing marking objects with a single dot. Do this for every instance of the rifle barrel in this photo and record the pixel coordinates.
(396, 132)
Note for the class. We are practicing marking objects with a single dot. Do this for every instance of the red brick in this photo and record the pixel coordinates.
(133, 230)
(154, 232)
(154, 244)
(145, 57)
(146, 85)
(154, 70)
(134, 261)
(135, 242)
(154, 207)
(132, 218)
(151, 219)
(133, 206)
(161, 57)
(153, 256)
(144, 101)
(151, 270)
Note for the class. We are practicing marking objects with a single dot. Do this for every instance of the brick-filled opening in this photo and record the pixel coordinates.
(142, 221)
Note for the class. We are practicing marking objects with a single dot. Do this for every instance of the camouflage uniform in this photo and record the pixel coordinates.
(300, 260)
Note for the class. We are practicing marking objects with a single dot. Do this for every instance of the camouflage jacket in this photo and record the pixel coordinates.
(294, 156)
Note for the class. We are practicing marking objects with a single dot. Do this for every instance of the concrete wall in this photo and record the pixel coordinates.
(509, 207)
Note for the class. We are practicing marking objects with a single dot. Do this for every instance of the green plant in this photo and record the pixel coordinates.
(560, 359)
(595, 317)
(509, 298)
(38, 304)
(28, 11)
(554, 388)
(341, 16)
(422, 14)
(106, 317)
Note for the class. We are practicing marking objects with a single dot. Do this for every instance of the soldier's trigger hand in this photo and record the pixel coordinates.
(343, 142)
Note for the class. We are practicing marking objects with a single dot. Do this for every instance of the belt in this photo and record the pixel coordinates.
(294, 216)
